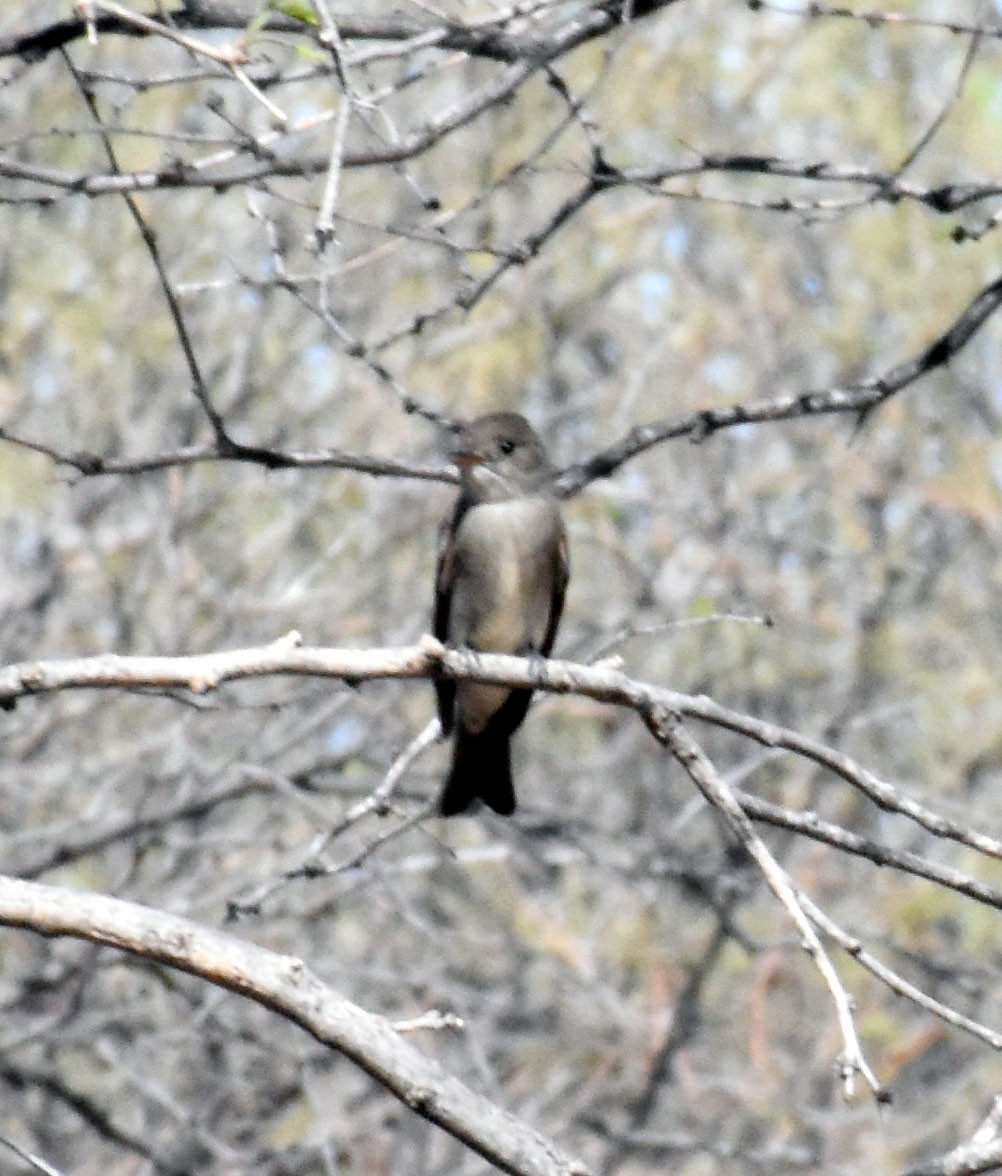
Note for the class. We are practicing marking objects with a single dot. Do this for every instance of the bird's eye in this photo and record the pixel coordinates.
(506, 446)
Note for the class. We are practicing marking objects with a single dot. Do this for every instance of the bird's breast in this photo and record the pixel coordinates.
(506, 567)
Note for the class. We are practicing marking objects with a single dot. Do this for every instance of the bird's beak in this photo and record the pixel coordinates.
(465, 458)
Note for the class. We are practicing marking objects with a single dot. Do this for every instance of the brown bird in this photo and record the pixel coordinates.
(502, 573)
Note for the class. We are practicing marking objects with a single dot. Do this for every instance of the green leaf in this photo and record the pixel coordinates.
(311, 53)
(297, 10)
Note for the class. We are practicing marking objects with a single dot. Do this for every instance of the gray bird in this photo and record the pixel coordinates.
(502, 574)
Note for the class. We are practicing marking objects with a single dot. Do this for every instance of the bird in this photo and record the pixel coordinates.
(499, 588)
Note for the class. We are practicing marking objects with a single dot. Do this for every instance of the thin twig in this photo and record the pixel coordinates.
(894, 981)
(668, 729)
(223, 440)
(30, 1158)
(873, 17)
(378, 802)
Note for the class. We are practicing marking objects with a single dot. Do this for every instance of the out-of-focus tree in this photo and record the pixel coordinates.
(739, 264)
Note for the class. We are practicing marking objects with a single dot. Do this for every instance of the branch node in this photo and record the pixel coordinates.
(288, 641)
(32, 678)
(431, 649)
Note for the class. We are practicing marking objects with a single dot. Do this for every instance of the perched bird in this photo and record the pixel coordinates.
(502, 573)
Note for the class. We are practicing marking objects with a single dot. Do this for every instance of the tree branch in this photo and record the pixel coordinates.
(660, 708)
(669, 731)
(857, 399)
(284, 985)
(981, 1153)
(201, 673)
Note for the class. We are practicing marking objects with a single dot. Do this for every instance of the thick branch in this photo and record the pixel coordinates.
(285, 985)
(659, 707)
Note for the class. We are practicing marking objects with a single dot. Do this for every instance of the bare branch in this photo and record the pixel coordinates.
(31, 1160)
(286, 986)
(378, 802)
(223, 441)
(487, 38)
(857, 399)
(202, 673)
(981, 1153)
(92, 464)
(809, 824)
(852, 946)
(874, 17)
(667, 729)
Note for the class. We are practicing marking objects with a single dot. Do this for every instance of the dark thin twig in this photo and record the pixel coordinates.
(223, 441)
(808, 824)
(873, 17)
(857, 399)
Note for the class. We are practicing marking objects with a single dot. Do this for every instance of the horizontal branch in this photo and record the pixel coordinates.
(660, 709)
(477, 38)
(809, 824)
(94, 465)
(884, 186)
(286, 986)
(201, 673)
(521, 55)
(180, 175)
(858, 399)
(874, 18)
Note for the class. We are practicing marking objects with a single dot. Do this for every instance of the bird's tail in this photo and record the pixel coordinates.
(481, 766)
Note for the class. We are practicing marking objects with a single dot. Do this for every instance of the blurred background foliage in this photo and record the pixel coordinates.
(625, 985)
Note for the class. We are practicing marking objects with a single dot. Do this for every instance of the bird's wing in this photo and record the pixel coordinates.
(445, 574)
(563, 571)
